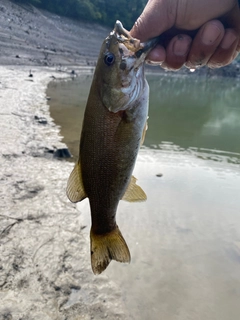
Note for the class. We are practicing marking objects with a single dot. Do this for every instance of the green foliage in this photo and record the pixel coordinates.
(102, 11)
(125, 10)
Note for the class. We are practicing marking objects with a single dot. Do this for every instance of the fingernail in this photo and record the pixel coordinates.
(228, 40)
(181, 46)
(235, 55)
(153, 63)
(210, 34)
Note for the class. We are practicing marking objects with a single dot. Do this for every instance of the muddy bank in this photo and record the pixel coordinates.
(44, 256)
(29, 36)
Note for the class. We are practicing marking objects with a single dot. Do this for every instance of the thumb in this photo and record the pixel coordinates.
(157, 17)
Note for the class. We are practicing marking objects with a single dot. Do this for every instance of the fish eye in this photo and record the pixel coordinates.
(109, 59)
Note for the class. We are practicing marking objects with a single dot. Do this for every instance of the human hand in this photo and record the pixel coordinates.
(191, 35)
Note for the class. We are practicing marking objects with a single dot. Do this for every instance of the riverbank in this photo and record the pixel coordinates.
(44, 257)
(34, 37)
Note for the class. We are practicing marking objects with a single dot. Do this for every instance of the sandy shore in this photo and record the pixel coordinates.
(44, 257)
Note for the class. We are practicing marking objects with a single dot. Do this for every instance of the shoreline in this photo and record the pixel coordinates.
(44, 257)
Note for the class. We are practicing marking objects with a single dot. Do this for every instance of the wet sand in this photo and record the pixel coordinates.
(44, 255)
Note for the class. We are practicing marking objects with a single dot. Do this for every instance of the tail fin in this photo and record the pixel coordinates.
(107, 247)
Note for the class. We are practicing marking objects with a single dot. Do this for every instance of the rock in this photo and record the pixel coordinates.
(62, 153)
(159, 175)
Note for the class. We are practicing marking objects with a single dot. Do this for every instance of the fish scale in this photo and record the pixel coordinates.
(113, 129)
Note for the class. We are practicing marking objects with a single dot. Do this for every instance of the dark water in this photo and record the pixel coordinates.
(185, 240)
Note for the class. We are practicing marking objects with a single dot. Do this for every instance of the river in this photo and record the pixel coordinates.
(185, 239)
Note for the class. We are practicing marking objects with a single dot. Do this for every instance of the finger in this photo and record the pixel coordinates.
(157, 17)
(205, 43)
(235, 55)
(157, 55)
(226, 51)
(232, 20)
(238, 45)
(177, 52)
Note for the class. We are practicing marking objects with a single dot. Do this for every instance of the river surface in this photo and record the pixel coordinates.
(185, 239)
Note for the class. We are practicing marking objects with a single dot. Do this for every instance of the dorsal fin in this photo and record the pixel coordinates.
(75, 189)
(134, 192)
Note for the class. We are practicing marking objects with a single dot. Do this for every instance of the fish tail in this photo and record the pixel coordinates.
(107, 247)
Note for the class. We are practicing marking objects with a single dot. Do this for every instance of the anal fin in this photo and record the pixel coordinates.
(134, 192)
(75, 190)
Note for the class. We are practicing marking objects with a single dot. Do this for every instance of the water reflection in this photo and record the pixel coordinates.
(203, 113)
(68, 100)
(189, 112)
(185, 240)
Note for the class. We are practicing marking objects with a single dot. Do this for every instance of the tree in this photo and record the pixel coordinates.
(103, 11)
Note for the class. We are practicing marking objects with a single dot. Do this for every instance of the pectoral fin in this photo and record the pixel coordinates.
(134, 192)
(75, 189)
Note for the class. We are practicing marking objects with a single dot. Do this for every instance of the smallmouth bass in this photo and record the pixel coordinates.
(114, 126)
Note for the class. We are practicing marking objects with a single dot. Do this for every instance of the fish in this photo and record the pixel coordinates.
(114, 126)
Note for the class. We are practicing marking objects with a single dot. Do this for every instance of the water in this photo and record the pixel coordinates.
(185, 240)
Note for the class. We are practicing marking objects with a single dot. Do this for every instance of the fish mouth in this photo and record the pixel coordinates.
(132, 44)
(123, 36)
(147, 47)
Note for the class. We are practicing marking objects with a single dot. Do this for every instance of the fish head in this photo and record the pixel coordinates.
(120, 69)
